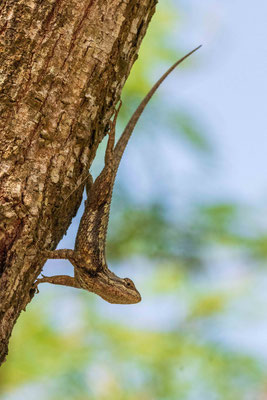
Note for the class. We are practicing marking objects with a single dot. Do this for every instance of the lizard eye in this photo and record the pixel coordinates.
(129, 283)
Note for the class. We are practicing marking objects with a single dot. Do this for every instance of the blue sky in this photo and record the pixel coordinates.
(226, 89)
(230, 89)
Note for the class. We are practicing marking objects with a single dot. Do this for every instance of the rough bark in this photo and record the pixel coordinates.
(63, 64)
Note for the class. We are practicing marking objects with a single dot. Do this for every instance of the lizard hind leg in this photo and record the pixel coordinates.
(88, 185)
(111, 138)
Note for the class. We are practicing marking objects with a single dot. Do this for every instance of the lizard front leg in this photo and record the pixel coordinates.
(61, 253)
(66, 254)
(64, 280)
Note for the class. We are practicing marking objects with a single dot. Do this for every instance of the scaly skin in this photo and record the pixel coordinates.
(88, 258)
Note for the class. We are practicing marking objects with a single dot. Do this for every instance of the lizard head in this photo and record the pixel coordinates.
(118, 290)
(109, 286)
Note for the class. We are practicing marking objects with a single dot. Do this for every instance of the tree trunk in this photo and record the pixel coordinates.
(63, 65)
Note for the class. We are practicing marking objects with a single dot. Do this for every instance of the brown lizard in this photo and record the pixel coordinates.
(88, 257)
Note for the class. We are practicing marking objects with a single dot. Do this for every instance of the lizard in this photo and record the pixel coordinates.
(91, 271)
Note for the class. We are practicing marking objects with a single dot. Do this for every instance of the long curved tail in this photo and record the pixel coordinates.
(122, 142)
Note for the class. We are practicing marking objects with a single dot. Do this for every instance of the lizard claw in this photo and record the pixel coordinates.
(36, 283)
(34, 288)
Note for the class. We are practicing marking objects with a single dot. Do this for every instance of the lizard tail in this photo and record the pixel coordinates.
(122, 142)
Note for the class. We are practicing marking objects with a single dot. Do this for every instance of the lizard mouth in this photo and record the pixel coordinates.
(114, 289)
(122, 299)
(109, 286)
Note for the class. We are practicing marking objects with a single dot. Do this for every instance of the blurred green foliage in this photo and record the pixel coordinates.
(103, 360)
(69, 346)
(190, 130)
